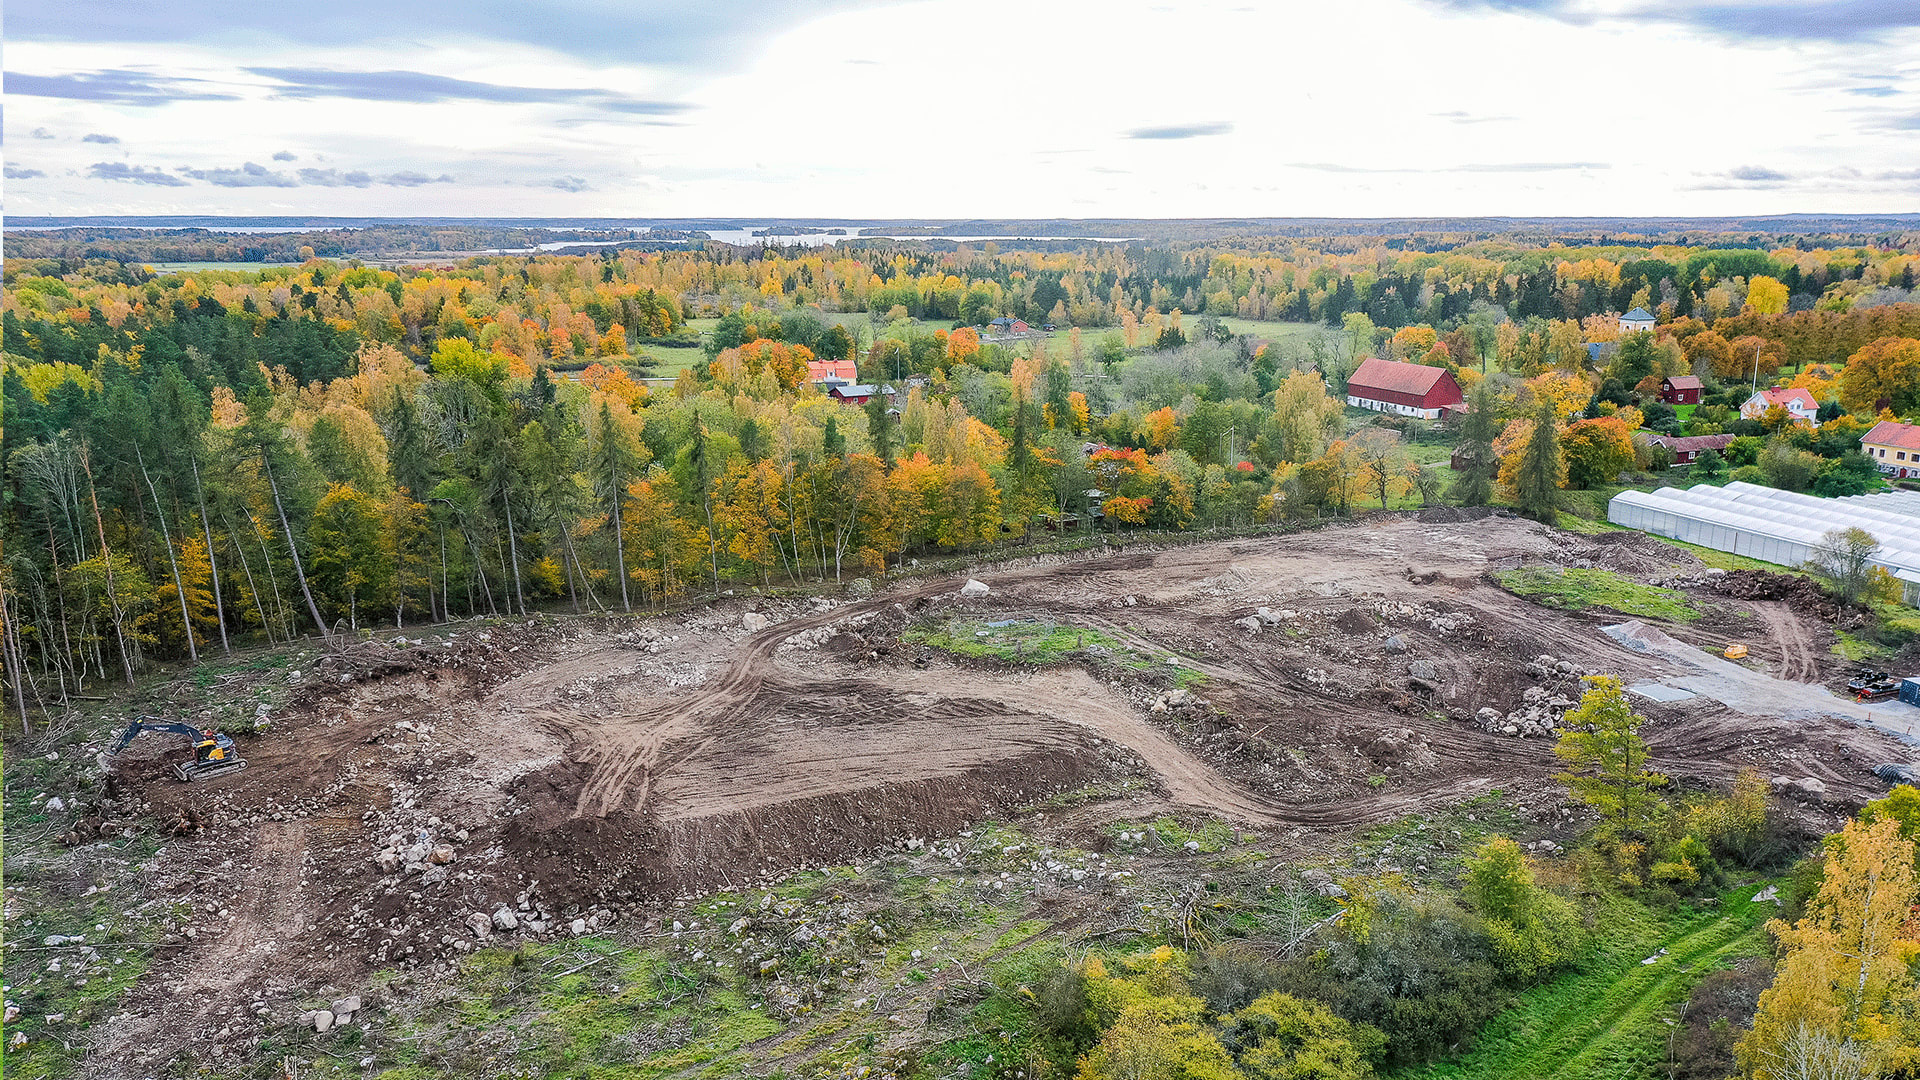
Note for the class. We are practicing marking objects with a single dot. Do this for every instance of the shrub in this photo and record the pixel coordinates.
(1280, 1037)
(1711, 1021)
(1423, 974)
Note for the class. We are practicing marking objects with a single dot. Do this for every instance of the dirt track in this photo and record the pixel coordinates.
(575, 768)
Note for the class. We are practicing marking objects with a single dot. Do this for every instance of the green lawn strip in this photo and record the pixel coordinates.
(1605, 1019)
(1028, 642)
(1578, 590)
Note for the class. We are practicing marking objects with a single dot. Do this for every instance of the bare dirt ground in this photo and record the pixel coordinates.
(572, 772)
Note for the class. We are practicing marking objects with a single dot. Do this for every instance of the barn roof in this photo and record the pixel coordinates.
(1638, 314)
(1684, 382)
(1893, 433)
(1690, 442)
(1396, 376)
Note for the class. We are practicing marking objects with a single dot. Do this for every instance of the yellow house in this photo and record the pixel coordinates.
(1893, 446)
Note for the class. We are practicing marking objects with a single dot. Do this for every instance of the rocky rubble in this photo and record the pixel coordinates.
(1544, 707)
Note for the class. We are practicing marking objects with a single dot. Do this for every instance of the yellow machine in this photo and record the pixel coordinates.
(1735, 652)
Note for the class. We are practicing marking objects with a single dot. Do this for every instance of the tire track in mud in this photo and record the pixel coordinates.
(1797, 659)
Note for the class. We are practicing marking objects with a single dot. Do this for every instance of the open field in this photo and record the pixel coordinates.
(614, 779)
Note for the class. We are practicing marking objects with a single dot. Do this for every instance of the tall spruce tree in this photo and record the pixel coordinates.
(1536, 480)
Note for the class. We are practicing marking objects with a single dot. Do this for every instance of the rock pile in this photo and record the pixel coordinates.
(1543, 708)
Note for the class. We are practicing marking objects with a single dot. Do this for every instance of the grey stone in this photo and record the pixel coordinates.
(1425, 669)
(974, 587)
(323, 1020)
(505, 920)
(754, 621)
(1395, 645)
(481, 925)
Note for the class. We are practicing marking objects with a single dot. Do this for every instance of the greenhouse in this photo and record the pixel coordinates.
(1777, 526)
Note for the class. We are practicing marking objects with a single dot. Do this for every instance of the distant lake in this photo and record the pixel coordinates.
(745, 238)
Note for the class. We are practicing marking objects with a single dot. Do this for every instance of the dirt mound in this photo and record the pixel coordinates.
(1799, 590)
(1452, 515)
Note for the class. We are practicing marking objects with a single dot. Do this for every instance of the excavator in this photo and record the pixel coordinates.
(213, 753)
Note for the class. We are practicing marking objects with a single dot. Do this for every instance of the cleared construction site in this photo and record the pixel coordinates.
(415, 798)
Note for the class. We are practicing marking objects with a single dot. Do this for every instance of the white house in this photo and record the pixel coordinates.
(1635, 321)
(1797, 400)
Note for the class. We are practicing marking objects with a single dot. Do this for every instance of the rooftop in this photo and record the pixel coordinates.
(1894, 433)
(1395, 375)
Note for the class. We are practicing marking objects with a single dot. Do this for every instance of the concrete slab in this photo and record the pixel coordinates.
(1757, 693)
(1657, 692)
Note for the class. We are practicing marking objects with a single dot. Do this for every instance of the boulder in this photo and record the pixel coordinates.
(1395, 645)
(1810, 787)
(346, 1007)
(860, 588)
(481, 924)
(578, 927)
(389, 861)
(754, 621)
(323, 1020)
(974, 587)
(1425, 669)
(504, 919)
(1251, 623)
(441, 855)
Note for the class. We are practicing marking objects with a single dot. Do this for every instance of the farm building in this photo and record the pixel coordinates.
(1893, 446)
(1797, 400)
(1680, 390)
(1687, 448)
(1777, 526)
(852, 393)
(1636, 320)
(1407, 389)
(831, 371)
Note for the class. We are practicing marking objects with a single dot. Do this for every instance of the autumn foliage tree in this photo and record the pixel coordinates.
(1886, 373)
(1597, 451)
(1844, 984)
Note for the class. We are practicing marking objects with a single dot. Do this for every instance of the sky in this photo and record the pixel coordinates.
(962, 108)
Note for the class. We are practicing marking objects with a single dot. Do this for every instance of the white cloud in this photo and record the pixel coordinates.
(1297, 108)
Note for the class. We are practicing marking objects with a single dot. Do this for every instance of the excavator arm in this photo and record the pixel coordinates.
(213, 753)
(143, 724)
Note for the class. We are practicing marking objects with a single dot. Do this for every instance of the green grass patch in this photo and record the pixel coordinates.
(1023, 642)
(1607, 1018)
(1858, 650)
(1578, 590)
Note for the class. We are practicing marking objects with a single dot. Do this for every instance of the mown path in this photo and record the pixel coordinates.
(1607, 1019)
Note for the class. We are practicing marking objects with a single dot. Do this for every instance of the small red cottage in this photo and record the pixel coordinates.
(851, 393)
(1680, 390)
(1688, 448)
(1407, 389)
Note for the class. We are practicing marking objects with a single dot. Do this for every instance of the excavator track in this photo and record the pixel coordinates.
(195, 771)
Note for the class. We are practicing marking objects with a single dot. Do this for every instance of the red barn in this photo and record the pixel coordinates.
(1680, 390)
(851, 393)
(1407, 389)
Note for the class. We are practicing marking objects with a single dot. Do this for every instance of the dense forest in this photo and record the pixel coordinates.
(197, 456)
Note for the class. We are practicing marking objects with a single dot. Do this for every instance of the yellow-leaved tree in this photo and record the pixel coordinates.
(1844, 992)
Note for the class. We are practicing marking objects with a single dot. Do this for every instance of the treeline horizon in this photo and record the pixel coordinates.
(197, 456)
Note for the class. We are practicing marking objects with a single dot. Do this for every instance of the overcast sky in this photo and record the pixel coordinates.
(962, 108)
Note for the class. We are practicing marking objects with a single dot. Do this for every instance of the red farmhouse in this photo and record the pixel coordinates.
(1681, 390)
